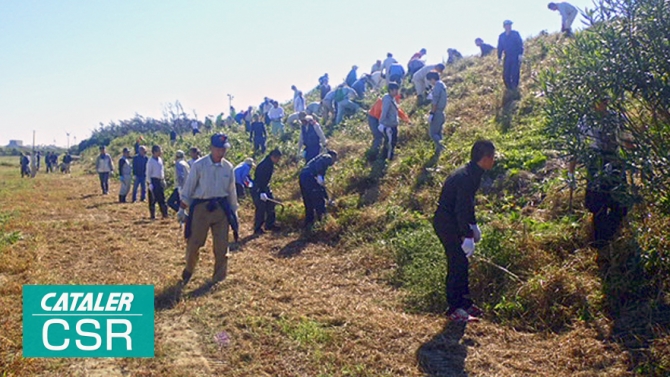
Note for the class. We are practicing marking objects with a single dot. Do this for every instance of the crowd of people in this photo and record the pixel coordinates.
(207, 188)
(30, 163)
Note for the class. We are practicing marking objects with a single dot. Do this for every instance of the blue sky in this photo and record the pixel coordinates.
(66, 66)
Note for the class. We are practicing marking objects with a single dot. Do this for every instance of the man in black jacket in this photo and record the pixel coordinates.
(262, 194)
(313, 186)
(456, 227)
(511, 44)
(140, 172)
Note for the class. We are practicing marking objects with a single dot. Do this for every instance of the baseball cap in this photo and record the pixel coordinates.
(507, 22)
(220, 141)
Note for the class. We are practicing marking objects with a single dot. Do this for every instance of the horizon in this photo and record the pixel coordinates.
(72, 65)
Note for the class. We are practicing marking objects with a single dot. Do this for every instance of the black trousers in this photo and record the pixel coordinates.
(511, 72)
(457, 283)
(313, 197)
(104, 182)
(157, 196)
(265, 212)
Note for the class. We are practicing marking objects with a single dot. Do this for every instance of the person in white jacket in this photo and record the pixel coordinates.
(568, 14)
(104, 166)
(298, 102)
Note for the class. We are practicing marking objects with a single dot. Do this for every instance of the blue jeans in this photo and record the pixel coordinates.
(511, 71)
(140, 181)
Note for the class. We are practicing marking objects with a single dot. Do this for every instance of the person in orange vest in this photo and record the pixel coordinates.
(375, 114)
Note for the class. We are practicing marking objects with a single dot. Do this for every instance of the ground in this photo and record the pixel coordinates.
(291, 306)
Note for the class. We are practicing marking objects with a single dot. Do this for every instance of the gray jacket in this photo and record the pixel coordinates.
(440, 96)
(389, 117)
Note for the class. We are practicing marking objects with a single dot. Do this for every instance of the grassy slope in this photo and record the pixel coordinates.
(379, 237)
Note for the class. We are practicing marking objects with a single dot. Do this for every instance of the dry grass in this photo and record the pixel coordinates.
(291, 307)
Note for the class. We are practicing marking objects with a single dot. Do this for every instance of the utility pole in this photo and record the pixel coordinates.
(68, 140)
(33, 140)
(230, 100)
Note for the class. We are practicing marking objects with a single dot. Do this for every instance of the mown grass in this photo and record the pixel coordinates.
(529, 229)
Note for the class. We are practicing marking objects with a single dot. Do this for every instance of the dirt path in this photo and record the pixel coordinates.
(290, 307)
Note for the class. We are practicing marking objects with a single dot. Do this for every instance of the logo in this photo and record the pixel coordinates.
(88, 321)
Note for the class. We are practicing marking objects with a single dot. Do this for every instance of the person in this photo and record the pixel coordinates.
(568, 14)
(313, 109)
(511, 45)
(195, 154)
(377, 67)
(313, 187)
(25, 164)
(456, 227)
(136, 147)
(389, 120)
(342, 98)
(328, 106)
(262, 194)
(243, 177)
(208, 124)
(265, 107)
(299, 102)
(453, 56)
(416, 62)
(54, 161)
(421, 82)
(258, 134)
(125, 175)
(439, 105)
(486, 49)
(360, 85)
(239, 117)
(195, 127)
(311, 137)
(352, 76)
(396, 72)
(104, 166)
(218, 122)
(605, 174)
(374, 115)
(276, 115)
(173, 137)
(156, 181)
(324, 87)
(67, 162)
(210, 197)
(47, 162)
(38, 157)
(181, 170)
(248, 118)
(387, 64)
(140, 173)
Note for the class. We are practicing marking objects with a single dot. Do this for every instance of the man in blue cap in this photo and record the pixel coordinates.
(511, 44)
(209, 194)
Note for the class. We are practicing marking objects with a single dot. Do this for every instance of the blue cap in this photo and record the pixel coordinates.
(220, 141)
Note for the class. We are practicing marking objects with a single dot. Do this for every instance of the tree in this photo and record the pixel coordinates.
(623, 55)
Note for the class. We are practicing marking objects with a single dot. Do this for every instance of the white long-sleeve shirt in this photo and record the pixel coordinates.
(208, 180)
(155, 169)
(276, 113)
(298, 104)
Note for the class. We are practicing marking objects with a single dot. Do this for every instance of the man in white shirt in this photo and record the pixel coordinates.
(104, 166)
(568, 15)
(156, 181)
(276, 115)
(195, 127)
(209, 194)
(298, 102)
(377, 67)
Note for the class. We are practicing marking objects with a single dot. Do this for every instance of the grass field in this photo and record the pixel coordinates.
(363, 295)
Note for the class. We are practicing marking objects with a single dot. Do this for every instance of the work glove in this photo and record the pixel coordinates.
(520, 58)
(477, 233)
(381, 128)
(430, 118)
(468, 247)
(264, 197)
(181, 215)
(151, 187)
(500, 62)
(320, 180)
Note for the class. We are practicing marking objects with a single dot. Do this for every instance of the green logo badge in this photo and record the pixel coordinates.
(88, 321)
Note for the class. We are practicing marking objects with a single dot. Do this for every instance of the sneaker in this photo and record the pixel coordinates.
(475, 311)
(461, 316)
(259, 232)
(273, 228)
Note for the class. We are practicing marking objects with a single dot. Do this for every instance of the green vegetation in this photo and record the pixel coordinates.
(553, 280)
